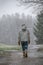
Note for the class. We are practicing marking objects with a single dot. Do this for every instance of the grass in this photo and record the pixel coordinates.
(9, 47)
(4, 47)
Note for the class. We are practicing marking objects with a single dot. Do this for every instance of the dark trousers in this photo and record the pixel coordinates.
(24, 45)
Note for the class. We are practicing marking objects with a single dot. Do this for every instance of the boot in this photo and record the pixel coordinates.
(24, 54)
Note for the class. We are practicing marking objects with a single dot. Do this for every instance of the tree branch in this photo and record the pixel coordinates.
(31, 1)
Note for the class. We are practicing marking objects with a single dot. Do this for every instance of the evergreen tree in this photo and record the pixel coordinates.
(38, 29)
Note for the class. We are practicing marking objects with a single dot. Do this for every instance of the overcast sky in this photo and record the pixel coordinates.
(10, 7)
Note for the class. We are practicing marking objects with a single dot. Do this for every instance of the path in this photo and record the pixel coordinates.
(17, 59)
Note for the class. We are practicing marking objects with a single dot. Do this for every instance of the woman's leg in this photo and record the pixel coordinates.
(23, 48)
(26, 53)
(26, 49)
(23, 53)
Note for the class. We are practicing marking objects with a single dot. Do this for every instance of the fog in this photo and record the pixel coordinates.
(13, 15)
(11, 25)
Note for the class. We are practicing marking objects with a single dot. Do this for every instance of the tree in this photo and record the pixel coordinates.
(37, 5)
(38, 29)
(29, 1)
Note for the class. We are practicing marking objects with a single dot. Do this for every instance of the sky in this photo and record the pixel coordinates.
(11, 7)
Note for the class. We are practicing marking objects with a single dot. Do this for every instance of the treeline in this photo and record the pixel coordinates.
(10, 26)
